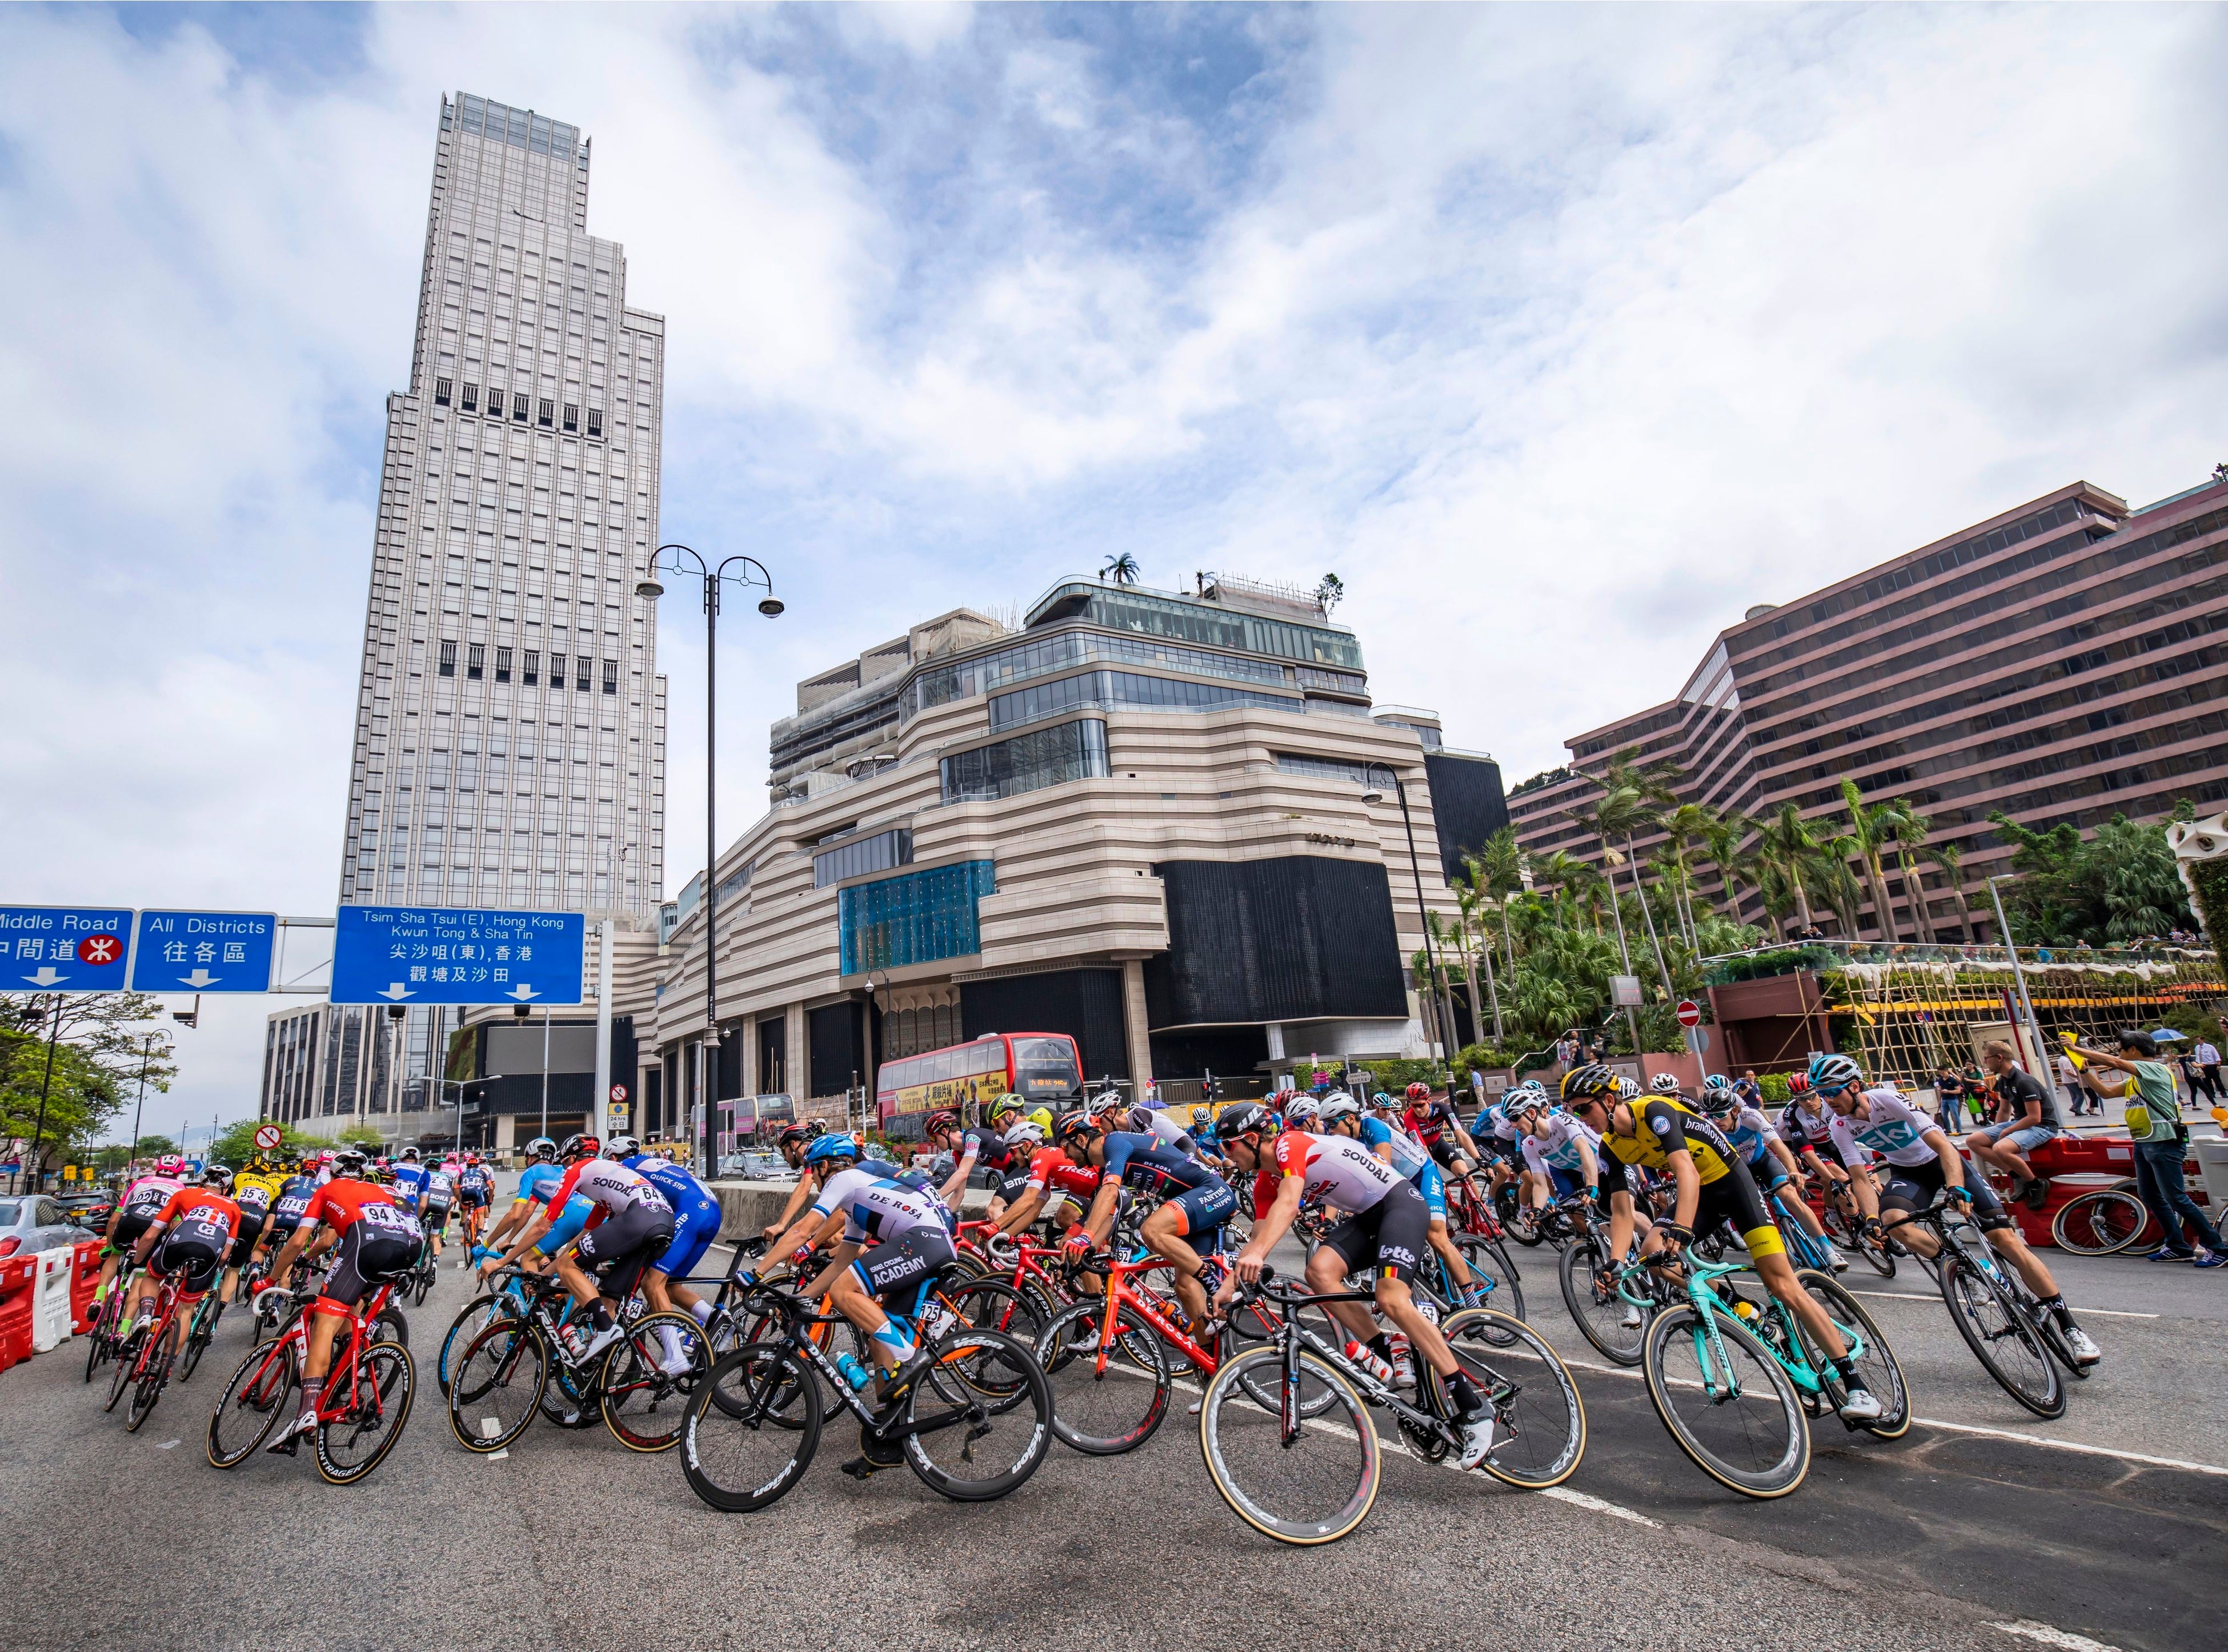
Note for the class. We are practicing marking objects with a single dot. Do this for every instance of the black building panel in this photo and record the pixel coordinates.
(1296, 938)
(1467, 805)
(833, 1040)
(1085, 1004)
(1222, 1050)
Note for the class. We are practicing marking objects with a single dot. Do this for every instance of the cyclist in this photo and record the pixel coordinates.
(1711, 1185)
(1053, 1186)
(190, 1237)
(1196, 1202)
(409, 1179)
(475, 1193)
(1384, 1224)
(252, 1201)
(1923, 1165)
(962, 1149)
(1562, 1151)
(696, 1224)
(791, 1145)
(1769, 1161)
(541, 1169)
(1341, 1115)
(372, 1240)
(632, 1229)
(440, 1195)
(294, 1195)
(1431, 1119)
(142, 1201)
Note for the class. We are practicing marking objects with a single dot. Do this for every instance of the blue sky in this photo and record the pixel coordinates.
(1561, 334)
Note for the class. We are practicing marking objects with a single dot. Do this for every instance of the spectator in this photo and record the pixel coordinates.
(2207, 1057)
(2026, 1117)
(2159, 1148)
(1950, 1091)
(1747, 1088)
(2069, 1076)
(1979, 1099)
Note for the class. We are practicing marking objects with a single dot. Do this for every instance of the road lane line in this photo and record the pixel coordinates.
(2073, 1445)
(2052, 1636)
(166, 1446)
(1579, 1499)
(1914, 1296)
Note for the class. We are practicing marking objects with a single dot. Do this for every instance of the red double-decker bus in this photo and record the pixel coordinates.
(1039, 1067)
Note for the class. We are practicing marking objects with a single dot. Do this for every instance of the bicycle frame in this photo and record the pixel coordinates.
(1150, 1309)
(797, 1318)
(1292, 1334)
(1709, 1342)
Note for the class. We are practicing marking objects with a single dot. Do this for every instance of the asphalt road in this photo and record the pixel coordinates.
(119, 1540)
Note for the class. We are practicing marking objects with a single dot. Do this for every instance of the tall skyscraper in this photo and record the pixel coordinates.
(510, 721)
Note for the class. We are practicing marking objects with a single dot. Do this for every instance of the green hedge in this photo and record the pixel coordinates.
(1784, 960)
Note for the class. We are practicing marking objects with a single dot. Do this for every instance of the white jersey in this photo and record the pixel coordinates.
(1894, 1130)
(611, 1185)
(1340, 1174)
(1559, 1146)
(440, 1185)
(1160, 1124)
(875, 1209)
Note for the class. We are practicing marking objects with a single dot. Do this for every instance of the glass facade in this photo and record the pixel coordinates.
(861, 856)
(1125, 688)
(991, 672)
(1044, 756)
(1323, 768)
(915, 917)
(1184, 621)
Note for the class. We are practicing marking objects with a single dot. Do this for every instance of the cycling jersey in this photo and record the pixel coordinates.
(1162, 1128)
(1494, 1121)
(294, 1195)
(199, 1214)
(1052, 1169)
(1428, 1124)
(1338, 1173)
(476, 1179)
(148, 1194)
(1815, 1129)
(1751, 1134)
(1139, 1162)
(536, 1176)
(1400, 1149)
(254, 1193)
(344, 1201)
(876, 1208)
(610, 1185)
(1892, 1128)
(409, 1185)
(1662, 1127)
(1559, 1147)
(440, 1186)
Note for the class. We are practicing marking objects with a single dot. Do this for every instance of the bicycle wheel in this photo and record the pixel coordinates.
(471, 1319)
(986, 1304)
(1103, 1412)
(648, 1379)
(96, 1341)
(2100, 1223)
(253, 1404)
(1876, 1362)
(1520, 1221)
(1494, 1273)
(148, 1391)
(1539, 1421)
(1315, 1488)
(497, 1386)
(357, 1442)
(964, 1435)
(391, 1327)
(1737, 1414)
(747, 1451)
(198, 1334)
(1614, 1326)
(127, 1366)
(2008, 1348)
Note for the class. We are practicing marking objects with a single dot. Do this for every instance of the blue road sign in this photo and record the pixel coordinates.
(65, 949)
(457, 954)
(204, 952)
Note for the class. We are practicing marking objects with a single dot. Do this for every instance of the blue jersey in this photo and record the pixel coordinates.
(476, 1178)
(409, 1184)
(570, 1220)
(1141, 1162)
(1751, 1133)
(683, 1191)
(535, 1176)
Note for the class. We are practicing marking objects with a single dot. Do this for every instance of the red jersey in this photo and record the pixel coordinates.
(342, 1202)
(200, 1213)
(1428, 1122)
(1051, 1167)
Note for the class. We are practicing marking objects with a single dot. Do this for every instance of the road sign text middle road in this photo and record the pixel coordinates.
(65, 949)
(457, 954)
(204, 952)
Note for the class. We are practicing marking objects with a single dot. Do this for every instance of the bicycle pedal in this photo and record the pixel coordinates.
(865, 1467)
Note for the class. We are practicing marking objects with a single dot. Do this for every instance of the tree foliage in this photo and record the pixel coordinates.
(2119, 886)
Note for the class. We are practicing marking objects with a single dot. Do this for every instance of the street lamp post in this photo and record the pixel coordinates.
(1442, 1008)
(2018, 976)
(650, 590)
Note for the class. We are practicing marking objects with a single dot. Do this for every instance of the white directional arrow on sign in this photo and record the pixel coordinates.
(200, 979)
(395, 991)
(523, 992)
(46, 977)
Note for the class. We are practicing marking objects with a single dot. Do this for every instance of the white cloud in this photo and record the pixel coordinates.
(1563, 334)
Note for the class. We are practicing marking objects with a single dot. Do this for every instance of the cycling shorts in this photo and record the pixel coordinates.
(130, 1229)
(1390, 1236)
(366, 1259)
(1733, 1199)
(193, 1261)
(1012, 1186)
(1444, 1150)
(1566, 1182)
(1768, 1172)
(244, 1246)
(692, 1236)
(1433, 1186)
(1915, 1186)
(471, 1201)
(897, 1271)
(1202, 1209)
(435, 1219)
(625, 1244)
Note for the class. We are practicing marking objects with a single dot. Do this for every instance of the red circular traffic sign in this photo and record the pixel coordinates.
(619, 1092)
(1690, 1013)
(99, 949)
(268, 1137)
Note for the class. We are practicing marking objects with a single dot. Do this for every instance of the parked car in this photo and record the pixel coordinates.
(35, 1222)
(90, 1211)
(757, 1166)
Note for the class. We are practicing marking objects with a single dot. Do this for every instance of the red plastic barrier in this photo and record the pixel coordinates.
(2099, 1155)
(85, 1279)
(18, 1278)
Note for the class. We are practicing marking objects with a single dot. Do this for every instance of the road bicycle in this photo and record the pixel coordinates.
(1614, 1322)
(1285, 1430)
(971, 1414)
(200, 1331)
(2017, 1341)
(639, 1384)
(365, 1402)
(1735, 1378)
(2102, 1221)
(144, 1361)
(424, 1274)
(104, 1338)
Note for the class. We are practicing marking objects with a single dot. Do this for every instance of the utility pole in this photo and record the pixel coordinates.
(45, 1085)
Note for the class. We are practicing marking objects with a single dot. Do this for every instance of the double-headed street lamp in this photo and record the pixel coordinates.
(1443, 1006)
(650, 590)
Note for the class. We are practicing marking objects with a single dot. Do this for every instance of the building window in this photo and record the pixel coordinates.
(440, 393)
(877, 854)
(1044, 756)
(448, 659)
(571, 415)
(556, 670)
(915, 917)
(471, 402)
(595, 422)
(581, 666)
(502, 665)
(475, 661)
(611, 676)
(548, 411)
(530, 668)
(518, 407)
(1323, 768)
(1125, 688)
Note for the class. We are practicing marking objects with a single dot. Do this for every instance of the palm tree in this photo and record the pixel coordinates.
(1910, 833)
(1617, 813)
(1497, 869)
(1687, 824)
(1122, 569)
(1566, 874)
(1478, 941)
(1634, 800)
(1723, 838)
(1949, 857)
(1791, 853)
(1872, 828)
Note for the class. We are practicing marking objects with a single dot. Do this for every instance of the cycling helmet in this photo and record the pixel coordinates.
(1583, 1082)
(327, 1156)
(410, 1156)
(347, 1162)
(1337, 1106)
(1665, 1084)
(1831, 1074)
(171, 1164)
(1245, 1118)
(579, 1147)
(218, 1177)
(1715, 1081)
(308, 1166)
(1009, 1103)
(1027, 1133)
(1797, 1083)
(1520, 1104)
(621, 1147)
(1419, 1091)
(1070, 1125)
(941, 1120)
(1720, 1101)
(1043, 1116)
(826, 1149)
(1303, 1111)
(541, 1147)
(471, 1158)
(794, 1134)
(1202, 1117)
(1104, 1104)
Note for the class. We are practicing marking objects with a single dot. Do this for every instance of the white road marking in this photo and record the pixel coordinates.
(2050, 1636)
(496, 1456)
(1565, 1494)
(1913, 1295)
(166, 1446)
(2073, 1445)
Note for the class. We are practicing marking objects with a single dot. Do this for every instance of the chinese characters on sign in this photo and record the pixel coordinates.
(65, 949)
(204, 952)
(456, 956)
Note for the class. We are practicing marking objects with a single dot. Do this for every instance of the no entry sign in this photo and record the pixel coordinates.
(1690, 1013)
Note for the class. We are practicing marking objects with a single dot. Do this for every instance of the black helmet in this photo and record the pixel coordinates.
(1245, 1118)
(1069, 1125)
(1584, 1083)
(794, 1134)
(579, 1147)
